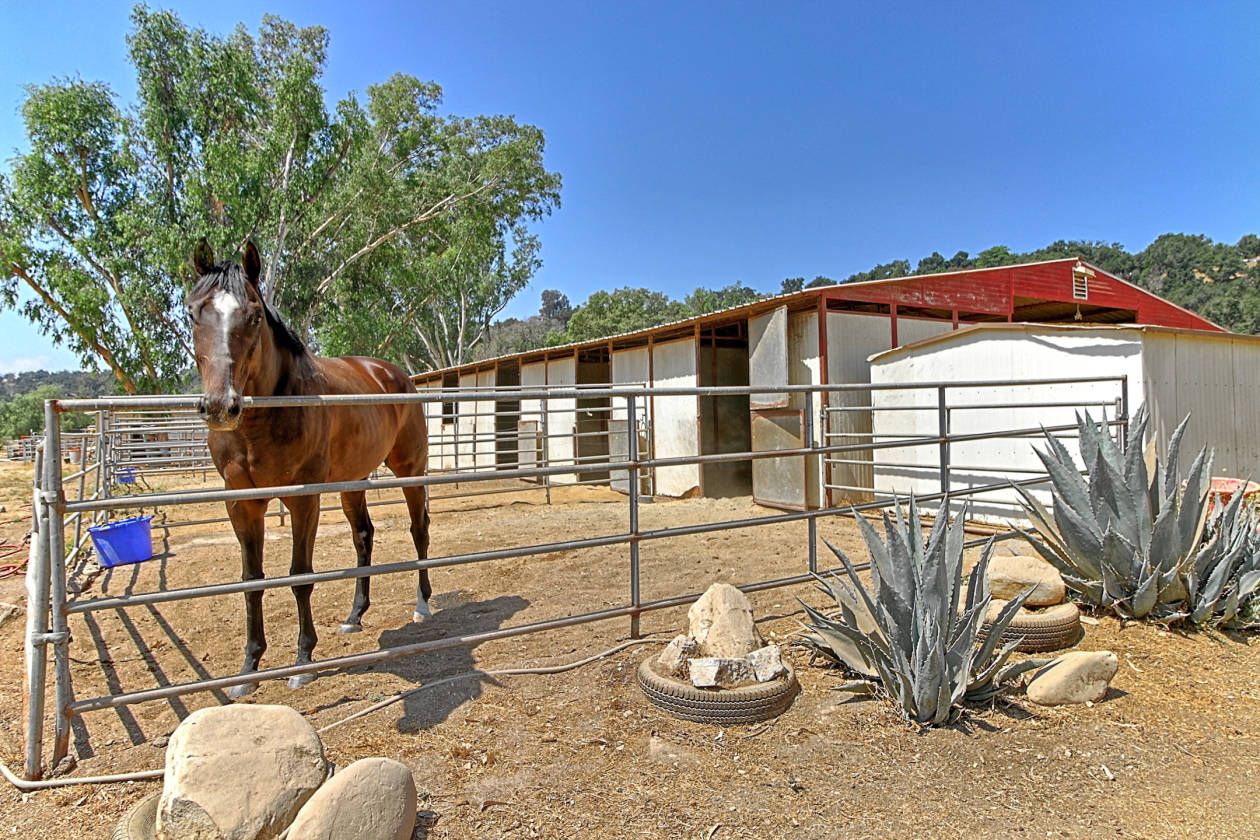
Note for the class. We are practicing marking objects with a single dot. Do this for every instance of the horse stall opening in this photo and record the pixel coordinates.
(139, 647)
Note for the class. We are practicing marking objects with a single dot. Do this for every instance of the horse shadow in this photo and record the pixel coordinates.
(453, 673)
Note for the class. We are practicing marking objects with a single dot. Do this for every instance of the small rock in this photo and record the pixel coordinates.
(767, 663)
(161, 741)
(1011, 574)
(673, 659)
(659, 749)
(237, 772)
(717, 672)
(372, 799)
(722, 623)
(1077, 677)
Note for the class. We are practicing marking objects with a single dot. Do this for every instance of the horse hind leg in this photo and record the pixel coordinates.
(354, 505)
(418, 507)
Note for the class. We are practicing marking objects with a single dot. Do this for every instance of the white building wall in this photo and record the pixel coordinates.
(440, 454)
(475, 424)
(561, 417)
(851, 340)
(675, 417)
(990, 357)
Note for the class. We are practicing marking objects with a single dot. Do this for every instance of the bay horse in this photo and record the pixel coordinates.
(244, 349)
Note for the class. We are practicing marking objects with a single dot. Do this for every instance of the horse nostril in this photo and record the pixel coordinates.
(234, 409)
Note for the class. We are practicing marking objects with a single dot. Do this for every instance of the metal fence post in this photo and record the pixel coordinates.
(1124, 413)
(942, 425)
(56, 541)
(36, 626)
(632, 449)
(812, 522)
(545, 459)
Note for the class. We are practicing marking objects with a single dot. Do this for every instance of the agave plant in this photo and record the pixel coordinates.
(1123, 539)
(908, 631)
(1223, 581)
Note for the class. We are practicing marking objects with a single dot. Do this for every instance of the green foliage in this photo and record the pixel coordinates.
(703, 301)
(908, 630)
(23, 414)
(619, 311)
(385, 226)
(1123, 539)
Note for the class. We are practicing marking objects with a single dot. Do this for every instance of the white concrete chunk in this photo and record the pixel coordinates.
(767, 663)
(717, 672)
(673, 659)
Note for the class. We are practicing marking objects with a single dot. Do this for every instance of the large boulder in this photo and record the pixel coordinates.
(722, 623)
(238, 772)
(1077, 677)
(372, 799)
(1011, 574)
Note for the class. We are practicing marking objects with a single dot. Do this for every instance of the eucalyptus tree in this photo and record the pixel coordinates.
(230, 138)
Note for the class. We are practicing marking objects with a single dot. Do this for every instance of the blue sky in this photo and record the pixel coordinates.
(707, 143)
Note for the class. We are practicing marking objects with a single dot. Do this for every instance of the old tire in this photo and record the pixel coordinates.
(1053, 628)
(722, 707)
(140, 823)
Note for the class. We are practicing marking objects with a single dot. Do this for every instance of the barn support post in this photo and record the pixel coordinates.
(812, 525)
(54, 499)
(36, 627)
(632, 451)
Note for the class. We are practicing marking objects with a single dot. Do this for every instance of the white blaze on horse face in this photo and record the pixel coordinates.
(226, 304)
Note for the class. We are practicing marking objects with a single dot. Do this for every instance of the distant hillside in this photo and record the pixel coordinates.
(71, 383)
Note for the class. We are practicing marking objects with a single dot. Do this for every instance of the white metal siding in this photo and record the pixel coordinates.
(675, 429)
(979, 357)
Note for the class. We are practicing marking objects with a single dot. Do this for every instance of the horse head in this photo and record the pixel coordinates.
(228, 315)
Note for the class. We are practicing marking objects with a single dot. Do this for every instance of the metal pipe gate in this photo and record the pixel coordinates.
(49, 610)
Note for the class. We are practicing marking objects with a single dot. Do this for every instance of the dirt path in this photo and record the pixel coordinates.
(1173, 750)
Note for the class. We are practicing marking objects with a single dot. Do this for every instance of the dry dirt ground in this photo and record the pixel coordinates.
(1173, 750)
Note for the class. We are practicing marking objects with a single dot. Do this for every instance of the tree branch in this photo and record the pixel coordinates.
(79, 329)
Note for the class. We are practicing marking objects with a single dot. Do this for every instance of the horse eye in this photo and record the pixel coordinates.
(255, 320)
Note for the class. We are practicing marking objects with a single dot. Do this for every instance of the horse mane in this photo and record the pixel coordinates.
(230, 277)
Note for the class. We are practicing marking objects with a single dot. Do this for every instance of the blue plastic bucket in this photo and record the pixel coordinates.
(127, 475)
(122, 542)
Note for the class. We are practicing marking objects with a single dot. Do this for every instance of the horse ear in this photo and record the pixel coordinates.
(202, 257)
(253, 264)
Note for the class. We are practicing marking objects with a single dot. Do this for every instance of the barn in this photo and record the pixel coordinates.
(817, 336)
(1213, 376)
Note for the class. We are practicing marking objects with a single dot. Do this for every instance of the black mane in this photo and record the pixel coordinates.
(230, 277)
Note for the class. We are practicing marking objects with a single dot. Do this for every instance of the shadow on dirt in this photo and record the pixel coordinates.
(453, 615)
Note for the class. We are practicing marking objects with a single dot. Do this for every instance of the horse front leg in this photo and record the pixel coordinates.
(247, 522)
(305, 512)
(354, 505)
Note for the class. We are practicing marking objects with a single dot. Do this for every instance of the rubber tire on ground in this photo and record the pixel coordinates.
(745, 704)
(1054, 628)
(140, 823)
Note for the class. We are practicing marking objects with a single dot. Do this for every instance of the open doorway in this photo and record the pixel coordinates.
(725, 421)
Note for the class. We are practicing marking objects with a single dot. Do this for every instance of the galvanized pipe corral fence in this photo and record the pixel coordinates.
(627, 466)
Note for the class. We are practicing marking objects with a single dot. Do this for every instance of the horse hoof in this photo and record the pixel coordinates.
(301, 680)
(349, 628)
(422, 612)
(236, 692)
